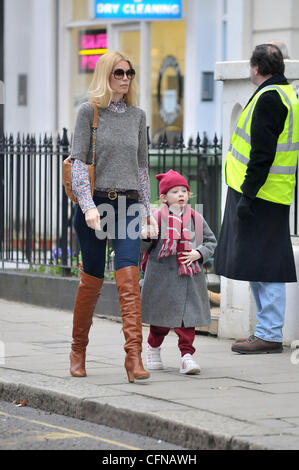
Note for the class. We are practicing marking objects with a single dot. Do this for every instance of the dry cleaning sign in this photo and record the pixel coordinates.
(139, 10)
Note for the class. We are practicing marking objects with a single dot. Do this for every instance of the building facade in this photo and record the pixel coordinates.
(51, 46)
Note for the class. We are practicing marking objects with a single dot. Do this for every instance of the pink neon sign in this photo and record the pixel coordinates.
(92, 45)
(88, 62)
(93, 41)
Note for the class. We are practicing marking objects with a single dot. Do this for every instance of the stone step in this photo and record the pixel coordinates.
(212, 329)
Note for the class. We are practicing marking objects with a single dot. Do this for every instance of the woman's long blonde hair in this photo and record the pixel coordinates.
(99, 90)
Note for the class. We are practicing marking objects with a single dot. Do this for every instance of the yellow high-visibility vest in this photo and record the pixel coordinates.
(280, 183)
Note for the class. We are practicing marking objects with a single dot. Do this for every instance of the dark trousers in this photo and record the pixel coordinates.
(186, 338)
(122, 230)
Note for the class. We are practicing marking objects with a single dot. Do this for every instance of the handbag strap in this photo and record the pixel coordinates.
(94, 131)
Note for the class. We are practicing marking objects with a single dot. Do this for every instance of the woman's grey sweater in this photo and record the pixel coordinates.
(121, 147)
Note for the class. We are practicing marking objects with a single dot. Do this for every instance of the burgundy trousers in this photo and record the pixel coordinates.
(186, 338)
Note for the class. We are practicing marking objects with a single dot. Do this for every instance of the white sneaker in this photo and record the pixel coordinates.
(188, 365)
(153, 358)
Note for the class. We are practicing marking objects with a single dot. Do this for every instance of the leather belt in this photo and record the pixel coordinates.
(112, 195)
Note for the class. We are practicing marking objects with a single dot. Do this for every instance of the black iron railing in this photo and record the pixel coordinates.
(36, 217)
(200, 162)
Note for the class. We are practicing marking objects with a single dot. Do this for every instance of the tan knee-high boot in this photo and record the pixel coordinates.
(87, 295)
(130, 304)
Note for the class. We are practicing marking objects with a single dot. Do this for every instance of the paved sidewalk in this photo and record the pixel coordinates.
(237, 402)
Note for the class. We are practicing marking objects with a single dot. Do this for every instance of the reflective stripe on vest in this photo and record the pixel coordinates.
(275, 169)
(281, 179)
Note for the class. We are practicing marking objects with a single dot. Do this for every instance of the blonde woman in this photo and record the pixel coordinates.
(121, 180)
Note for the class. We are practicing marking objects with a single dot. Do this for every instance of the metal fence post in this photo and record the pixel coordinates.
(28, 202)
(65, 270)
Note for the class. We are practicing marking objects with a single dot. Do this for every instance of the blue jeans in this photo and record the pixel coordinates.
(270, 301)
(93, 244)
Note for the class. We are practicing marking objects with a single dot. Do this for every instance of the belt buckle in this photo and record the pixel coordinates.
(112, 195)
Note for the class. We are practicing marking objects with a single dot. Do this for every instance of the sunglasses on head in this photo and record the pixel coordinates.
(120, 73)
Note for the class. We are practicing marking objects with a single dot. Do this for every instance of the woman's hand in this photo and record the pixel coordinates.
(190, 257)
(92, 218)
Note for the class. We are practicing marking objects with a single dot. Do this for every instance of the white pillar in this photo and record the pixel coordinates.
(17, 33)
(191, 89)
(113, 37)
(238, 314)
(145, 69)
(291, 326)
(200, 55)
(42, 79)
(64, 65)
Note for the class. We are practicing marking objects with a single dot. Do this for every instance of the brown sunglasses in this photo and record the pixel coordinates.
(120, 73)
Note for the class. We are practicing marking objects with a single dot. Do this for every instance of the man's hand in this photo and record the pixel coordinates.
(92, 218)
(190, 257)
(244, 208)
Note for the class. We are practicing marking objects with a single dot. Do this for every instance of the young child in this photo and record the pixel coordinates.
(174, 291)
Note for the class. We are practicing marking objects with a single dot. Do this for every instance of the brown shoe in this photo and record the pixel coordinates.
(241, 340)
(254, 345)
(130, 304)
(87, 295)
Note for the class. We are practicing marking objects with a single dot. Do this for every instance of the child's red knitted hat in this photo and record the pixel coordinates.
(169, 180)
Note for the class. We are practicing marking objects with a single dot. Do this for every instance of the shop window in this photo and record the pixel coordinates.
(88, 44)
(167, 78)
(129, 45)
(92, 45)
(207, 86)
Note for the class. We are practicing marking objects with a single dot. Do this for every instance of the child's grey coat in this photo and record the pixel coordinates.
(169, 299)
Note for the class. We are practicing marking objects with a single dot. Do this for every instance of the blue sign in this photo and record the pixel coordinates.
(139, 9)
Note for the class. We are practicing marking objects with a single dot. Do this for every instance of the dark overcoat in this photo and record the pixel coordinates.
(258, 249)
(171, 300)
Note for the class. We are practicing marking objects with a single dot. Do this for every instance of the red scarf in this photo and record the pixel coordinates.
(177, 239)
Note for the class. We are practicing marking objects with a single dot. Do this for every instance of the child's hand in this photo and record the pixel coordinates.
(150, 228)
(190, 257)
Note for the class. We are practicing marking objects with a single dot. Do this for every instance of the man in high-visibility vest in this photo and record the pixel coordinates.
(260, 171)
